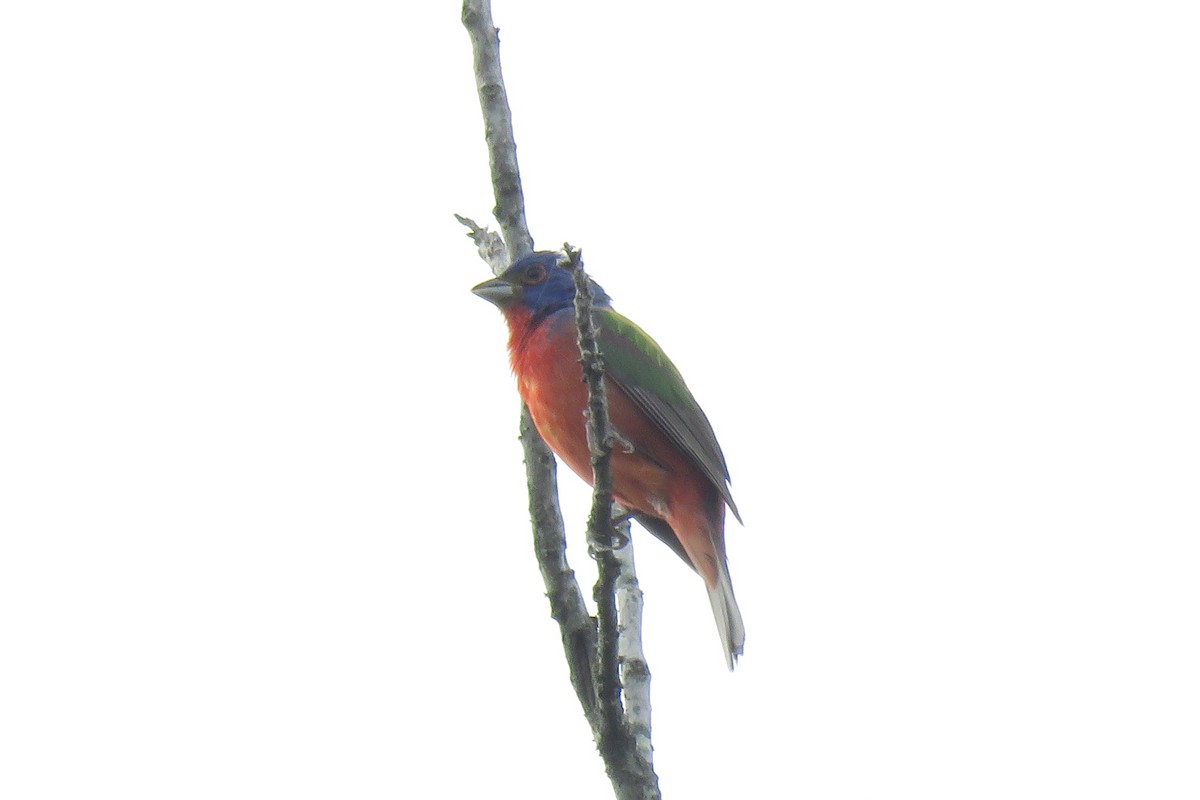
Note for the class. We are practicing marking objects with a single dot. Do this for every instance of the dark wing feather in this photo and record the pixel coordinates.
(642, 370)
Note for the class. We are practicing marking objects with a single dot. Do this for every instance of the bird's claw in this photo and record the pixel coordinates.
(621, 515)
(613, 442)
(617, 540)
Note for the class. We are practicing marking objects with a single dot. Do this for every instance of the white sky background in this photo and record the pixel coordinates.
(930, 267)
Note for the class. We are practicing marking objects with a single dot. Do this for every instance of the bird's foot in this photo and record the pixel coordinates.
(617, 539)
(621, 516)
(616, 440)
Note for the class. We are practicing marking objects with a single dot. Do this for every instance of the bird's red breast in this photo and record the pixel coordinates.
(668, 470)
(654, 477)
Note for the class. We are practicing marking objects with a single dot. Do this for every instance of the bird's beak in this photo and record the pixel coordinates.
(496, 291)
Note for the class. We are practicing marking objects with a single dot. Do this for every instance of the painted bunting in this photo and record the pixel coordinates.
(669, 471)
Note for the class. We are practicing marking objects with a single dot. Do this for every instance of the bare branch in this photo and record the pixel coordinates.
(567, 607)
(600, 521)
(497, 120)
(567, 603)
(635, 672)
(490, 244)
(628, 760)
(594, 659)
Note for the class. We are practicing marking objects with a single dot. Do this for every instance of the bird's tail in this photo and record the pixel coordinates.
(728, 616)
(702, 545)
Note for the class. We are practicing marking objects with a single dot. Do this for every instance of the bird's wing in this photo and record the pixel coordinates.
(639, 366)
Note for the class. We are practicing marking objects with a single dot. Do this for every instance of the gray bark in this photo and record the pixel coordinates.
(603, 651)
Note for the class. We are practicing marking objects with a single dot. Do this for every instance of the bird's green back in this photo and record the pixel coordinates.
(640, 367)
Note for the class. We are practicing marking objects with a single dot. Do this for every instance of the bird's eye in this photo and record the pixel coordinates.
(536, 273)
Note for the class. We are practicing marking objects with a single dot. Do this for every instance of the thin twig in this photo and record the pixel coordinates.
(489, 243)
(600, 524)
(629, 765)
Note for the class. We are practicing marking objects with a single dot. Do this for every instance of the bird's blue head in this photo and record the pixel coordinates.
(537, 284)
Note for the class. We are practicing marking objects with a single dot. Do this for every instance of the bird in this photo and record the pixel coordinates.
(668, 470)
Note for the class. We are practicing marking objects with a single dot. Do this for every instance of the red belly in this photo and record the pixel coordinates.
(654, 478)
